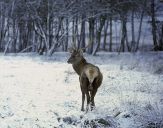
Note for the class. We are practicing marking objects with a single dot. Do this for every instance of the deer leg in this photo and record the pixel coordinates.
(88, 100)
(83, 99)
(93, 93)
(84, 90)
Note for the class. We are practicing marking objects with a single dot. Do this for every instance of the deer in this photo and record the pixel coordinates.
(90, 77)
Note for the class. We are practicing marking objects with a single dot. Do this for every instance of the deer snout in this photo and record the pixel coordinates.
(69, 61)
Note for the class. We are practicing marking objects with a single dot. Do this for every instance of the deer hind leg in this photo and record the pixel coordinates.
(93, 93)
(88, 101)
(83, 85)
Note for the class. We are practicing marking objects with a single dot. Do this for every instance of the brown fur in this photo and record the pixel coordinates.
(90, 77)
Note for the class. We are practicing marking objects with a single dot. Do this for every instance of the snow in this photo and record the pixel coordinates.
(43, 92)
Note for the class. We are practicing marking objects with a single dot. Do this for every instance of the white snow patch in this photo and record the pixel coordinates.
(37, 92)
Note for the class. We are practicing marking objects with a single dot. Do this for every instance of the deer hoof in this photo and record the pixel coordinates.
(92, 108)
(82, 109)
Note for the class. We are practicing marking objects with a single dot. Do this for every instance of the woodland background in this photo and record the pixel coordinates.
(46, 26)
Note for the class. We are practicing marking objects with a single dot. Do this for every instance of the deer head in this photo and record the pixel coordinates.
(76, 56)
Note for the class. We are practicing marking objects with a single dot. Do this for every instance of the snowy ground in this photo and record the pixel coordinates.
(44, 92)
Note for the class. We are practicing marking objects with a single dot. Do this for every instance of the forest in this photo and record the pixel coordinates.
(47, 26)
(122, 41)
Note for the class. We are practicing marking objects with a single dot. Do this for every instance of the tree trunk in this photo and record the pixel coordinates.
(76, 34)
(14, 37)
(91, 35)
(67, 34)
(127, 42)
(57, 40)
(73, 32)
(102, 22)
(161, 38)
(132, 31)
(140, 28)
(32, 38)
(105, 34)
(3, 30)
(154, 25)
(48, 26)
(82, 34)
(110, 45)
(122, 46)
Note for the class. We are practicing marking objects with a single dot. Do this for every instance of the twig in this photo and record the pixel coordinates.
(27, 48)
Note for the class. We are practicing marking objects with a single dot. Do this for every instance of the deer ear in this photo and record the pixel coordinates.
(81, 52)
(70, 50)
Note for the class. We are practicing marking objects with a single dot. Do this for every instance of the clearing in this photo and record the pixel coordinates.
(43, 92)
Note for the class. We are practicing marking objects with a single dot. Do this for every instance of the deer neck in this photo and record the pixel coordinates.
(78, 67)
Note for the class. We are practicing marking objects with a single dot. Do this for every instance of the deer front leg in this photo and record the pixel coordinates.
(83, 99)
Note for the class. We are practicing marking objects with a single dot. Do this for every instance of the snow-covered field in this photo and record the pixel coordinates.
(44, 92)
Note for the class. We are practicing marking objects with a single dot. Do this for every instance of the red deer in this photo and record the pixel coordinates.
(90, 77)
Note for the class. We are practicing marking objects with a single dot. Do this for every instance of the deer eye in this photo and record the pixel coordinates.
(72, 56)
